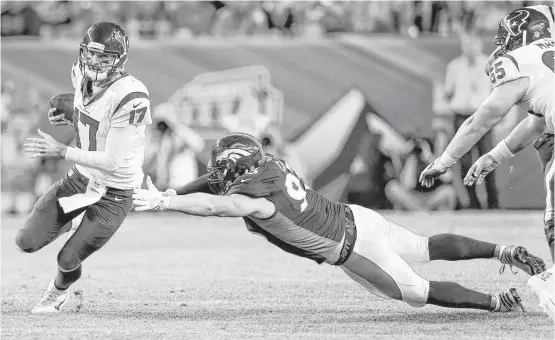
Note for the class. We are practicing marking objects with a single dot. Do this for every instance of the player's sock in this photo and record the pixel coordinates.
(550, 236)
(453, 295)
(451, 247)
(64, 279)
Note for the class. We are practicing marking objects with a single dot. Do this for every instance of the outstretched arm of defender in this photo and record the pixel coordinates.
(201, 204)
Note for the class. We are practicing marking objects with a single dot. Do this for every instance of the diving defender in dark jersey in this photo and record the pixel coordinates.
(245, 182)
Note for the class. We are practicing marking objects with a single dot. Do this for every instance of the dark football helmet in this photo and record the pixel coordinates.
(232, 156)
(103, 51)
(520, 28)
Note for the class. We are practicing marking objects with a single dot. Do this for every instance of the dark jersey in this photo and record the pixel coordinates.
(304, 223)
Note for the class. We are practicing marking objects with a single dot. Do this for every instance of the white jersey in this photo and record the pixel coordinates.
(535, 62)
(122, 103)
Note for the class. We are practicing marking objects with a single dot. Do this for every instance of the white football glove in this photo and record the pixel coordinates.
(152, 198)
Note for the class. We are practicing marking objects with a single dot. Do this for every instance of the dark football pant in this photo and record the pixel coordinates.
(544, 147)
(47, 221)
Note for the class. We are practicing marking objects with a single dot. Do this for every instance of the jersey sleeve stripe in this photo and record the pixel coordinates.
(130, 97)
(510, 57)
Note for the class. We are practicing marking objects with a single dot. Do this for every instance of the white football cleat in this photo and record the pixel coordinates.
(543, 286)
(53, 300)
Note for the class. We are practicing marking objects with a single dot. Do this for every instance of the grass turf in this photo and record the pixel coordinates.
(171, 276)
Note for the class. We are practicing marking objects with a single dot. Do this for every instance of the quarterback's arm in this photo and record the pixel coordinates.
(491, 112)
(118, 141)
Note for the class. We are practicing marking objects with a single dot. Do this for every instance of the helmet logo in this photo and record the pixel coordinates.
(514, 21)
(121, 39)
(95, 46)
(233, 154)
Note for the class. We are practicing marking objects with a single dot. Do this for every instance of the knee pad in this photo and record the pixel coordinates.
(25, 242)
(68, 260)
(416, 295)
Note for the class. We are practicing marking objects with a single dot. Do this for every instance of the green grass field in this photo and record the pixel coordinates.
(170, 276)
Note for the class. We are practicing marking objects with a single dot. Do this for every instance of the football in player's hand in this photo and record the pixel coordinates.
(63, 103)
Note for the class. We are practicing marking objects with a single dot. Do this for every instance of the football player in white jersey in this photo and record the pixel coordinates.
(111, 110)
(522, 73)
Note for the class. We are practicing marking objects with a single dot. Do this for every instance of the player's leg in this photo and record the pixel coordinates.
(378, 268)
(549, 211)
(415, 248)
(453, 247)
(45, 223)
(75, 224)
(543, 286)
(99, 224)
(47, 220)
(544, 147)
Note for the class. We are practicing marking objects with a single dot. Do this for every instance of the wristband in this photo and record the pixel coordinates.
(165, 202)
(70, 154)
(446, 161)
(501, 152)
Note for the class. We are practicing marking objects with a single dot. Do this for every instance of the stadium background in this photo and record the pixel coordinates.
(389, 54)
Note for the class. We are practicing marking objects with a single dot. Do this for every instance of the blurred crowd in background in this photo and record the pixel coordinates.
(397, 171)
(185, 19)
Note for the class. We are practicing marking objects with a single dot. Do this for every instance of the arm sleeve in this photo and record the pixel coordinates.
(133, 109)
(117, 143)
(504, 70)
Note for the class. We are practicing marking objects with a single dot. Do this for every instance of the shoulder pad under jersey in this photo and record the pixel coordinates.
(504, 69)
(131, 103)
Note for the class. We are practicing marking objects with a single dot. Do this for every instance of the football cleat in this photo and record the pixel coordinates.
(519, 257)
(543, 286)
(53, 300)
(507, 301)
